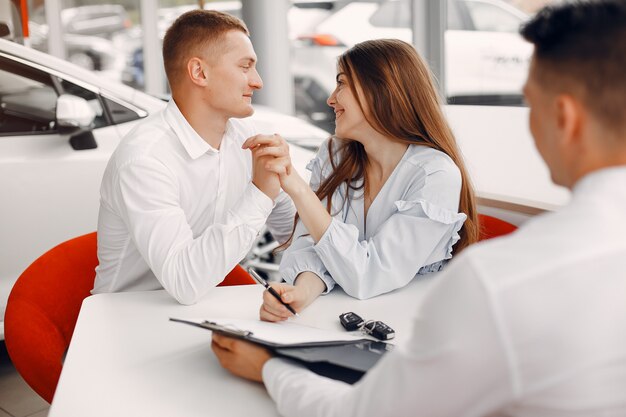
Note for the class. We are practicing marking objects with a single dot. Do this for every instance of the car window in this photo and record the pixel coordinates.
(92, 99)
(397, 14)
(488, 17)
(120, 113)
(27, 100)
(117, 113)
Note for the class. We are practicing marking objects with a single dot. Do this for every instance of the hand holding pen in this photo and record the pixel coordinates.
(271, 290)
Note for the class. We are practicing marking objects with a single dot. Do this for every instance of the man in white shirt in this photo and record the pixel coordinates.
(532, 324)
(181, 201)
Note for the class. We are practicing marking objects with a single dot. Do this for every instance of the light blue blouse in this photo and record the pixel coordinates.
(410, 229)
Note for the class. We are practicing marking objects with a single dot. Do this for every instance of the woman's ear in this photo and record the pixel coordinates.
(197, 71)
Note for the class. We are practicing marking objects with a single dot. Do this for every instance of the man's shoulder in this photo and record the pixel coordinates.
(147, 139)
(544, 245)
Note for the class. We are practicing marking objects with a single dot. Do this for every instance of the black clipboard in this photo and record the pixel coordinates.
(347, 362)
(344, 360)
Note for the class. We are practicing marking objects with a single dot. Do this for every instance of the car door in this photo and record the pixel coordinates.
(50, 191)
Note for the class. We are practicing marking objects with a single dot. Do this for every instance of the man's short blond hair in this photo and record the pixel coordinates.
(192, 33)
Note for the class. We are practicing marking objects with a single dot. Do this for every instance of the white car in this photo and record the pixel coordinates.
(52, 158)
(486, 59)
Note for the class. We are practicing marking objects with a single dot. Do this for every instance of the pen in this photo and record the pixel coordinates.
(271, 290)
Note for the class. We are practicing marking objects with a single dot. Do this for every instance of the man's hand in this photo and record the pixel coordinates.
(239, 357)
(266, 148)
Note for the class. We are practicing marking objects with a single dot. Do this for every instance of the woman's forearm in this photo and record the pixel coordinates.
(311, 284)
(312, 212)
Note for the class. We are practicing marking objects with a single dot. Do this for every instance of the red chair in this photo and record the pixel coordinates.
(43, 308)
(238, 276)
(491, 227)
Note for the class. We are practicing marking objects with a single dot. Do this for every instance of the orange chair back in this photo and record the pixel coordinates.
(491, 227)
(43, 308)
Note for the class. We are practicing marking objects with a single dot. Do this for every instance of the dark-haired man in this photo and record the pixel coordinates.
(531, 324)
(181, 202)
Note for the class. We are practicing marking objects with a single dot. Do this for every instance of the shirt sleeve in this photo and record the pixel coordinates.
(300, 256)
(455, 364)
(186, 267)
(418, 233)
(280, 220)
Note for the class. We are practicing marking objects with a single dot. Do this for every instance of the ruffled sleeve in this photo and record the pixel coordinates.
(423, 208)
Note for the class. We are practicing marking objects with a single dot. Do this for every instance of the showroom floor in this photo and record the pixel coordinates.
(16, 397)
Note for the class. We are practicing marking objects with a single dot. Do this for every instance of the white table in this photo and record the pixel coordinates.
(127, 359)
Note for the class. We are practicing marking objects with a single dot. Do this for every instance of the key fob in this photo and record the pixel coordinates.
(350, 321)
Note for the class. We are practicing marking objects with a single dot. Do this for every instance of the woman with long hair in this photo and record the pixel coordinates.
(389, 196)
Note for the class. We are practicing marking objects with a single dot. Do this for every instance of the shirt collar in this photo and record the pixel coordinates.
(188, 137)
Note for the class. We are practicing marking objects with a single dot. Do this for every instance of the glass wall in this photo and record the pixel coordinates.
(486, 59)
(93, 33)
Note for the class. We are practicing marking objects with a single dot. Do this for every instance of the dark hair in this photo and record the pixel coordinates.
(402, 103)
(583, 43)
(192, 32)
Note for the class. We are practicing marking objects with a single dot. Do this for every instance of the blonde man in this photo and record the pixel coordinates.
(181, 201)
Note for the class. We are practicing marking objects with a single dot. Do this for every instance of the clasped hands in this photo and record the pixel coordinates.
(271, 165)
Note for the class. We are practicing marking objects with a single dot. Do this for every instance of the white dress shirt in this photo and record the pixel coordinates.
(410, 229)
(176, 213)
(532, 324)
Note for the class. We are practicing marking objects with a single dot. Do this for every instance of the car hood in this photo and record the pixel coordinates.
(294, 130)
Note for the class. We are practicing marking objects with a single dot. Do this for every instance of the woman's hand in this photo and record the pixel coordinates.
(290, 181)
(239, 357)
(271, 152)
(308, 287)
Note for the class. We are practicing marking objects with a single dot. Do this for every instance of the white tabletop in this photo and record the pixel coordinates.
(127, 359)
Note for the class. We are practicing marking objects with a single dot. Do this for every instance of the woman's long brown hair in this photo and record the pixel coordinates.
(401, 102)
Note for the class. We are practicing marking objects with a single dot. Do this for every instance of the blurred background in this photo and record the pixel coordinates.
(485, 58)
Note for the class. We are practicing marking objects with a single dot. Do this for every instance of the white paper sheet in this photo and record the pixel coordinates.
(283, 333)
